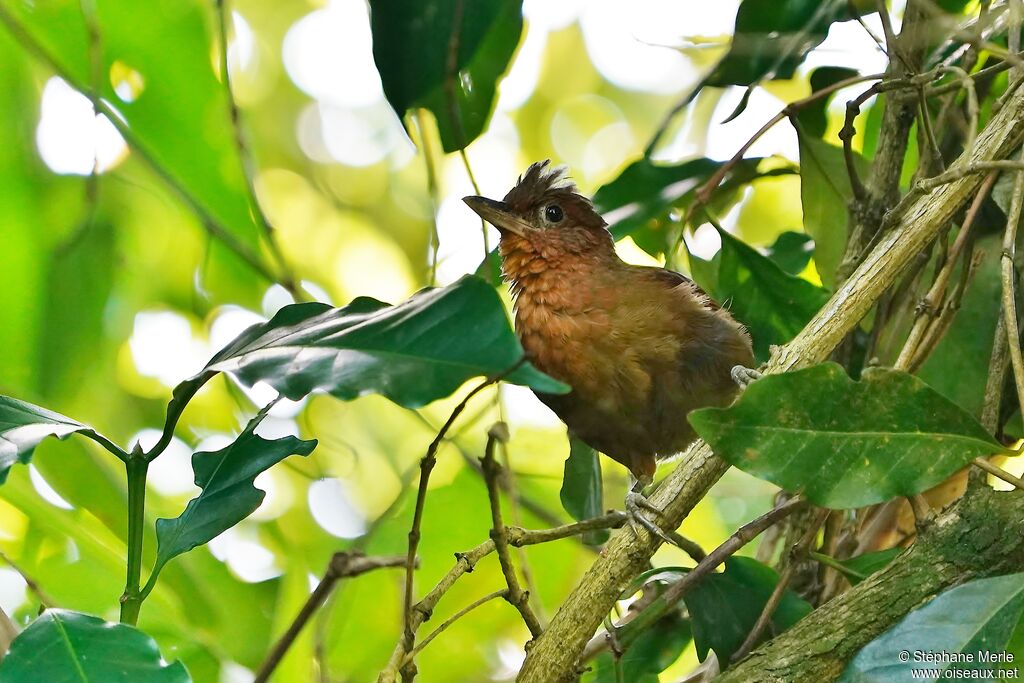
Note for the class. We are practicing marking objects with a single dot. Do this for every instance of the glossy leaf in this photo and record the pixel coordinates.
(413, 353)
(228, 494)
(653, 651)
(824, 195)
(813, 117)
(772, 37)
(791, 252)
(773, 304)
(977, 617)
(64, 646)
(164, 107)
(854, 444)
(581, 494)
(638, 201)
(480, 36)
(724, 607)
(23, 426)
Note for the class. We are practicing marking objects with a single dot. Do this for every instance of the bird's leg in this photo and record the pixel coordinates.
(637, 504)
(744, 376)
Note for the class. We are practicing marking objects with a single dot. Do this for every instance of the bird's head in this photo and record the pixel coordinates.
(545, 213)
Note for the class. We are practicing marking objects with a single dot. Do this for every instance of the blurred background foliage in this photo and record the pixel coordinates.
(125, 263)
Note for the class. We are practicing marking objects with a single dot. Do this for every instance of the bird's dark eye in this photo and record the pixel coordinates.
(554, 213)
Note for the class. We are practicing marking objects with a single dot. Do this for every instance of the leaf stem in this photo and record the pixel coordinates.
(131, 601)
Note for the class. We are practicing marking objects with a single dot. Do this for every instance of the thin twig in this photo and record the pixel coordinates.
(342, 565)
(998, 472)
(452, 619)
(426, 465)
(798, 552)
(930, 306)
(432, 190)
(1008, 281)
(30, 583)
(467, 561)
(515, 595)
(675, 592)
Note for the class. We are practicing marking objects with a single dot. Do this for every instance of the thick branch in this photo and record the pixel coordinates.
(968, 542)
(917, 222)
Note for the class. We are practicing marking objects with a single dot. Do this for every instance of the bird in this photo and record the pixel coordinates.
(639, 346)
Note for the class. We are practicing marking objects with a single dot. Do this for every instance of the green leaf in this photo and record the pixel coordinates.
(976, 618)
(652, 651)
(413, 353)
(773, 304)
(638, 201)
(772, 37)
(724, 607)
(177, 114)
(484, 41)
(228, 495)
(824, 194)
(856, 569)
(852, 444)
(23, 426)
(581, 494)
(791, 252)
(813, 117)
(69, 646)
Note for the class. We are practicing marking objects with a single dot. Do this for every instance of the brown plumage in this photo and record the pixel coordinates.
(640, 347)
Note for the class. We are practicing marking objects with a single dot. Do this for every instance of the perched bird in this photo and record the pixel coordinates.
(640, 346)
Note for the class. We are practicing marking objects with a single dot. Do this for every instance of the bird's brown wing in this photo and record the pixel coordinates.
(671, 279)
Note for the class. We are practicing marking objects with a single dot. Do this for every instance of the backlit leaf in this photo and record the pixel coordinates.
(581, 493)
(852, 444)
(63, 646)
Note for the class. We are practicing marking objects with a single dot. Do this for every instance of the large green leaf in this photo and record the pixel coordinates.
(638, 201)
(426, 58)
(824, 194)
(841, 443)
(581, 493)
(23, 426)
(724, 607)
(228, 495)
(773, 304)
(791, 252)
(976, 618)
(412, 353)
(69, 647)
(178, 114)
(772, 37)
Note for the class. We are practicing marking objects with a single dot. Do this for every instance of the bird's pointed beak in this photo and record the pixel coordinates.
(498, 214)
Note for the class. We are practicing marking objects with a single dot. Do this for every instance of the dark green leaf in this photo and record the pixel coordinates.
(772, 37)
(228, 495)
(637, 203)
(63, 646)
(773, 304)
(178, 103)
(413, 353)
(854, 444)
(856, 569)
(724, 607)
(791, 252)
(23, 426)
(650, 653)
(824, 194)
(581, 493)
(976, 618)
(414, 45)
(814, 116)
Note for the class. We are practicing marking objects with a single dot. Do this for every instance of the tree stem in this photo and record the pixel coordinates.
(131, 600)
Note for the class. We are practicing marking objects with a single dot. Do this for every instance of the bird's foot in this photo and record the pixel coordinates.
(744, 376)
(637, 506)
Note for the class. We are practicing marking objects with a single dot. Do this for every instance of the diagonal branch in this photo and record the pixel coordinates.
(910, 226)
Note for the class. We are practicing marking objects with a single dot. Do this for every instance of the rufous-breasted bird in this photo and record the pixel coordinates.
(641, 347)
